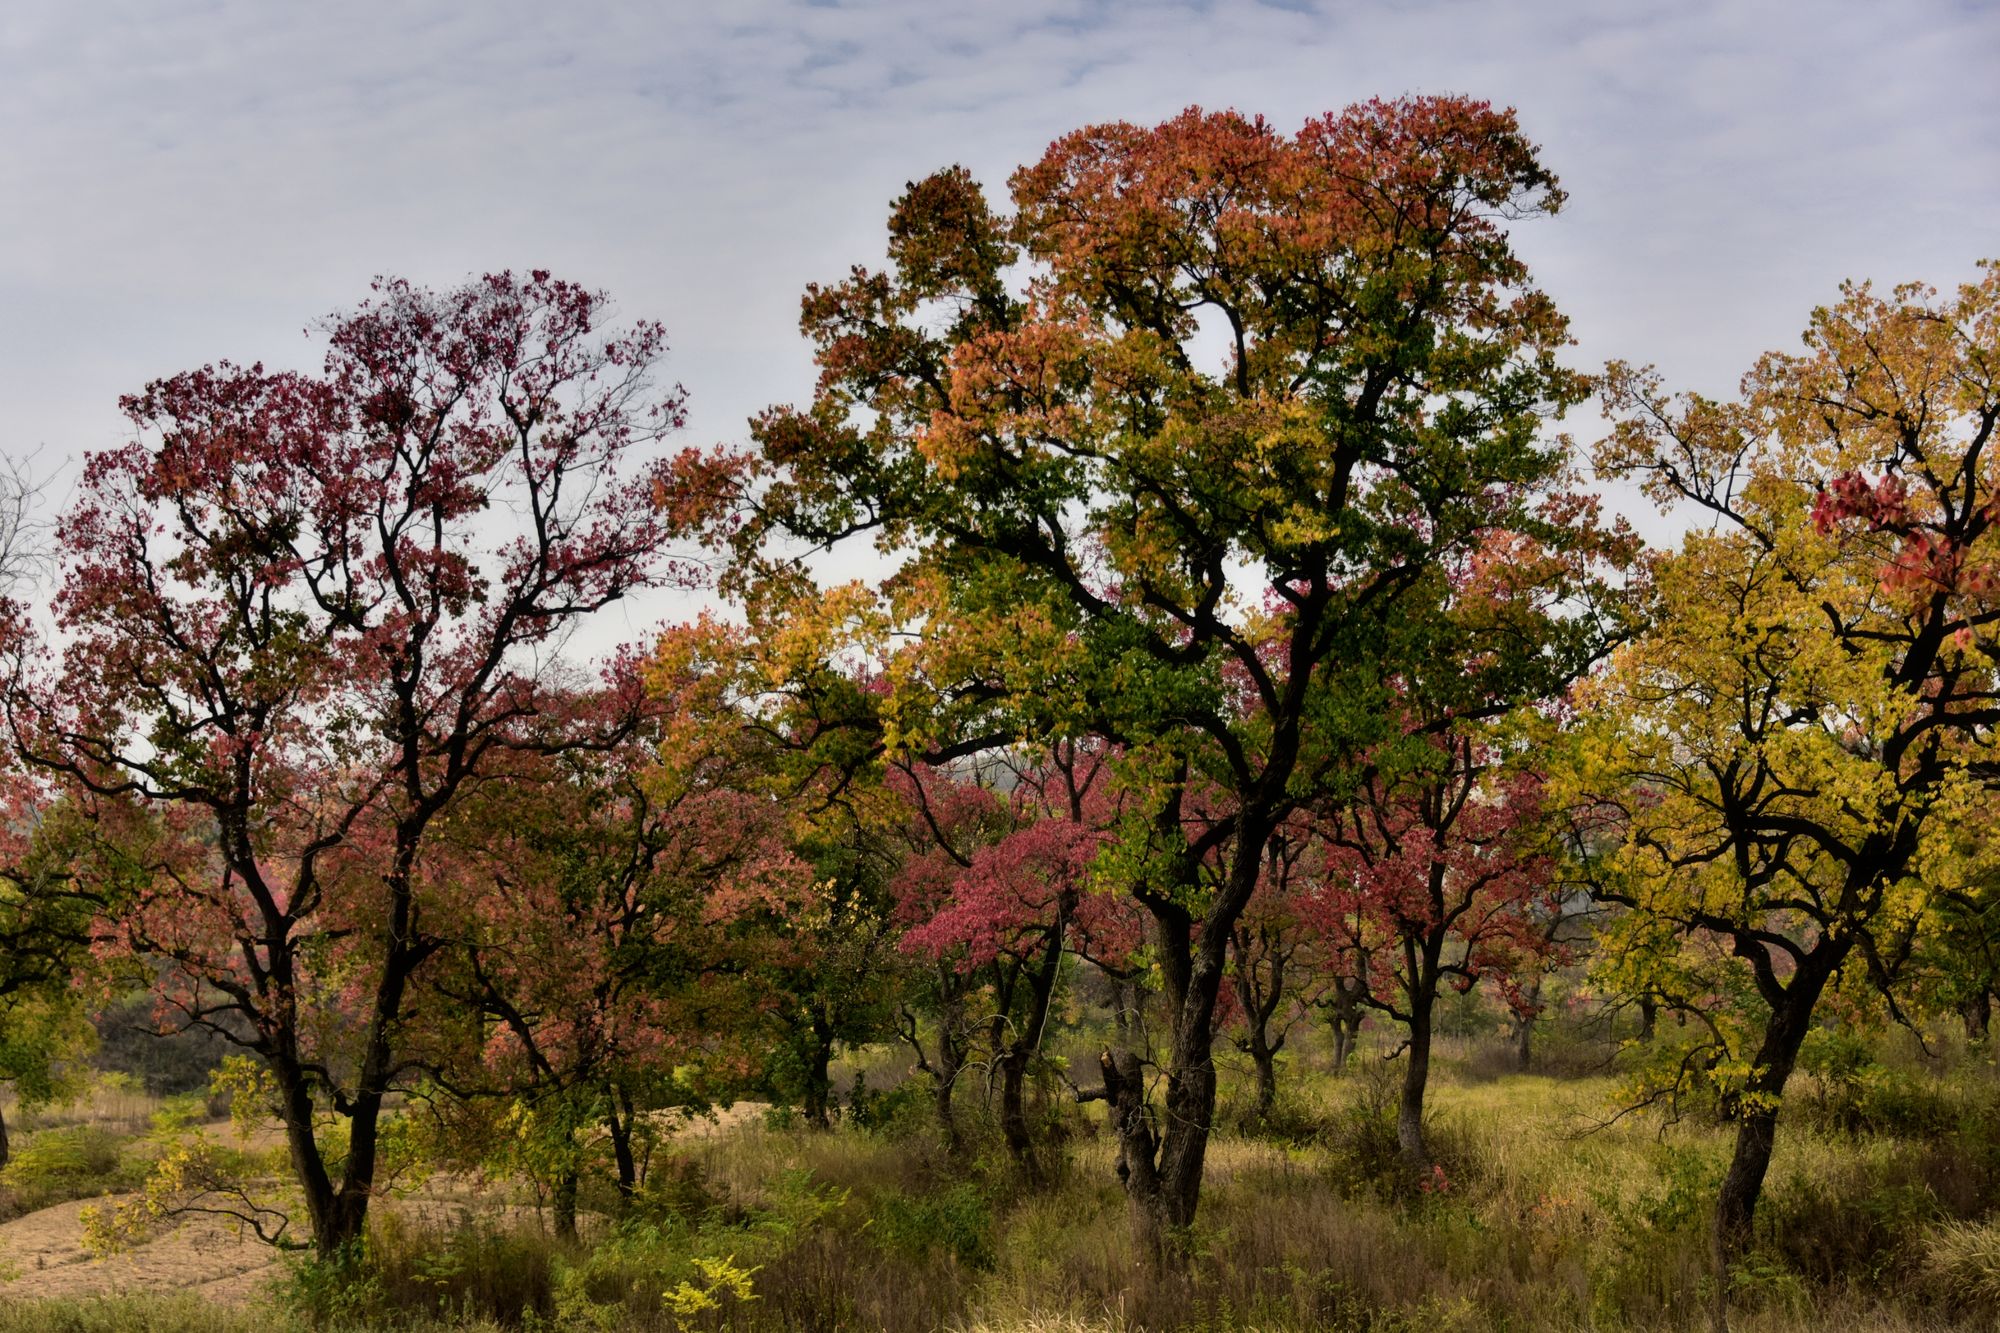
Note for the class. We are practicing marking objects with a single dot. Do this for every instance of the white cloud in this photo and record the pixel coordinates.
(186, 181)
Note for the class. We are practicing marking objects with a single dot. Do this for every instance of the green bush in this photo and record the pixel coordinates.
(896, 1112)
(1853, 1093)
(955, 1220)
(57, 1165)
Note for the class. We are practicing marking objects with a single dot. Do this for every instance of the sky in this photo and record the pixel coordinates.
(183, 181)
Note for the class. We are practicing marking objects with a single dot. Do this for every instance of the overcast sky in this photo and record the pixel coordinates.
(183, 181)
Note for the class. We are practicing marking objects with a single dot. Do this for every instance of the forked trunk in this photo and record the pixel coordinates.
(944, 1081)
(1524, 1025)
(944, 1067)
(1757, 1112)
(315, 1185)
(1260, 992)
(1161, 1166)
(1019, 1054)
(1132, 1125)
(1160, 1161)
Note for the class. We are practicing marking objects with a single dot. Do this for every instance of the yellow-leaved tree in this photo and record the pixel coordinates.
(1786, 755)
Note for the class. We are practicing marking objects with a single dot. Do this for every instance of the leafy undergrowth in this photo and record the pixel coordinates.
(1537, 1218)
(53, 1166)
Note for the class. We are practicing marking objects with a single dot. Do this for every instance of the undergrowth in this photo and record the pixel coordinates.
(1537, 1216)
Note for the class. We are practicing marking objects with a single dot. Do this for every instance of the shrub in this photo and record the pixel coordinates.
(954, 1221)
(471, 1270)
(1853, 1093)
(896, 1112)
(57, 1165)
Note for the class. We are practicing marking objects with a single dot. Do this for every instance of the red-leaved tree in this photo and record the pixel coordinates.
(604, 933)
(1444, 879)
(304, 613)
(1016, 907)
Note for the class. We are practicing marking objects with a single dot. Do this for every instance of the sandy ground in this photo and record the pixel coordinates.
(42, 1254)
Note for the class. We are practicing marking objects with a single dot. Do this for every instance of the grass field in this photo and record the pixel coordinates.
(1540, 1216)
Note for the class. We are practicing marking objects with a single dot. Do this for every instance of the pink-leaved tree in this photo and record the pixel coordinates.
(303, 614)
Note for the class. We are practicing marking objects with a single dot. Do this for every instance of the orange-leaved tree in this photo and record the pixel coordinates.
(1167, 455)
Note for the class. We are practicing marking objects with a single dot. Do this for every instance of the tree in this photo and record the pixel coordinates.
(23, 536)
(47, 925)
(1076, 490)
(947, 819)
(1791, 746)
(604, 893)
(1273, 965)
(1017, 907)
(1557, 923)
(305, 613)
(1449, 874)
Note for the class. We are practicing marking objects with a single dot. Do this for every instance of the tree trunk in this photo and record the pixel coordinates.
(1138, 1144)
(620, 1123)
(1346, 1021)
(1266, 1061)
(1190, 1116)
(1161, 1168)
(6, 1149)
(357, 1178)
(1259, 996)
(563, 1204)
(1020, 1053)
(1416, 1079)
(1014, 1108)
(1757, 1109)
(1756, 1132)
(819, 1081)
(944, 1083)
(315, 1185)
(1978, 1015)
(340, 1217)
(1524, 1025)
(944, 1069)
(1649, 1016)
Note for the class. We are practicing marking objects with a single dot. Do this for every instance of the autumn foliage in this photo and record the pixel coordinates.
(1248, 652)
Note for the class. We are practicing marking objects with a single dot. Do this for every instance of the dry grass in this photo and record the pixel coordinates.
(1547, 1220)
(108, 1103)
